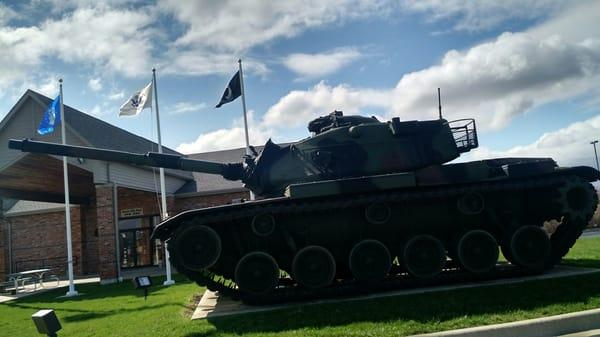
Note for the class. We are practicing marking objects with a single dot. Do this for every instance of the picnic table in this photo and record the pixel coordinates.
(36, 274)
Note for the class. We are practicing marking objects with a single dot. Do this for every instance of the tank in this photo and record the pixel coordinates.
(363, 205)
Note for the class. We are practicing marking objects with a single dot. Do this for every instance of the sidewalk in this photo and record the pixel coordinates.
(50, 285)
(575, 324)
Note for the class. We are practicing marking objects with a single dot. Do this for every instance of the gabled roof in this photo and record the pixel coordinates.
(101, 134)
(24, 207)
(97, 133)
(207, 183)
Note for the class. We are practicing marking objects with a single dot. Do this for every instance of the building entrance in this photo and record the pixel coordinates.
(137, 249)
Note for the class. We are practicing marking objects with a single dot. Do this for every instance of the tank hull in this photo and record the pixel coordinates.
(507, 201)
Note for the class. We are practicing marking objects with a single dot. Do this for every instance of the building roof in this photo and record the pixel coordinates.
(24, 207)
(101, 134)
(210, 183)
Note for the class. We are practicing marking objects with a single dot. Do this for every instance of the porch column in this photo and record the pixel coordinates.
(105, 219)
(4, 270)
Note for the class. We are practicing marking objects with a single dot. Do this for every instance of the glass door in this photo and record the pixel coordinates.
(137, 250)
(128, 257)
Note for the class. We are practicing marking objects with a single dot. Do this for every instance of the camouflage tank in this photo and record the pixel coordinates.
(363, 205)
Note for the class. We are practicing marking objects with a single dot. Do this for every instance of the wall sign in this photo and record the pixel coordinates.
(131, 212)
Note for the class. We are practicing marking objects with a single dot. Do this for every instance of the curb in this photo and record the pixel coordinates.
(212, 305)
(538, 327)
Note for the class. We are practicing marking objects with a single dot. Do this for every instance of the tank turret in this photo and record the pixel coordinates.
(339, 147)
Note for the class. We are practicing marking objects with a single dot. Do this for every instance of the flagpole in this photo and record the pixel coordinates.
(163, 195)
(252, 197)
(72, 291)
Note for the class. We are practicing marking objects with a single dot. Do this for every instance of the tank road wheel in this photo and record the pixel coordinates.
(256, 273)
(423, 256)
(471, 203)
(477, 251)
(263, 225)
(378, 213)
(197, 247)
(530, 247)
(370, 260)
(313, 267)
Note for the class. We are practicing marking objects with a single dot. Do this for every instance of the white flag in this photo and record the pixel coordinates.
(138, 102)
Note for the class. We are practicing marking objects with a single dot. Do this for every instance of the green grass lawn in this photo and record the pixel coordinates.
(118, 310)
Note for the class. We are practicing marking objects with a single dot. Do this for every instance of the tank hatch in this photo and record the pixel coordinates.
(337, 119)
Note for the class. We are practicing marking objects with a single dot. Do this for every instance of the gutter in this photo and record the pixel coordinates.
(213, 192)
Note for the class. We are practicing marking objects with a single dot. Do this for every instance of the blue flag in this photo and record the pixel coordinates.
(51, 117)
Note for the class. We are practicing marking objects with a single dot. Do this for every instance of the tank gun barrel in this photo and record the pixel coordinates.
(229, 171)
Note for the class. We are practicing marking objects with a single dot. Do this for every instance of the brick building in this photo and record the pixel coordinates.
(114, 206)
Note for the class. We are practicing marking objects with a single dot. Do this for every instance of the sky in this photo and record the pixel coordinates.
(528, 71)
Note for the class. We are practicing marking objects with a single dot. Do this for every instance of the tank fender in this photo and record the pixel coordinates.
(529, 167)
(588, 173)
(165, 229)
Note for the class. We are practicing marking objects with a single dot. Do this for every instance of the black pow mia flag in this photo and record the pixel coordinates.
(233, 90)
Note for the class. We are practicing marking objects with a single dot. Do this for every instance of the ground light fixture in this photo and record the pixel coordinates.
(46, 322)
(143, 282)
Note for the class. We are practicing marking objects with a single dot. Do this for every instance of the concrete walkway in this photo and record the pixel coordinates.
(591, 233)
(588, 333)
(212, 305)
(575, 324)
(50, 285)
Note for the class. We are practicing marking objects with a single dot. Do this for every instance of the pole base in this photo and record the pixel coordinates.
(168, 282)
(71, 293)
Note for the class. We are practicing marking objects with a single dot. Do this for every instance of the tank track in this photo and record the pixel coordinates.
(562, 240)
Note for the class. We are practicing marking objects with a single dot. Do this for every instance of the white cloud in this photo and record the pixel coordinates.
(96, 37)
(298, 107)
(97, 110)
(185, 107)
(100, 36)
(199, 62)
(237, 25)
(62, 5)
(219, 32)
(17, 55)
(228, 138)
(45, 85)
(6, 14)
(95, 84)
(113, 96)
(493, 81)
(119, 36)
(321, 64)
(222, 139)
(503, 78)
(569, 146)
(483, 14)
